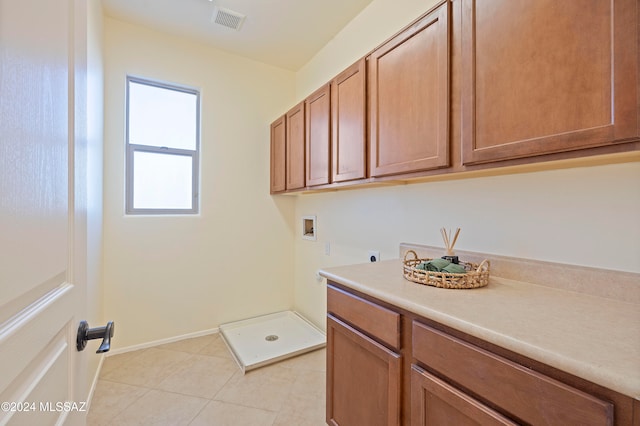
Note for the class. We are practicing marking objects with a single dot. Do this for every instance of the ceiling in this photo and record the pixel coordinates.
(283, 33)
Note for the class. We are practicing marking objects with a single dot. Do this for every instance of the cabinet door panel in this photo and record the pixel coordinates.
(436, 403)
(348, 97)
(547, 76)
(318, 107)
(278, 156)
(363, 379)
(295, 147)
(409, 98)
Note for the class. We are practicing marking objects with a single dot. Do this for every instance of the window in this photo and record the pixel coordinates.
(163, 132)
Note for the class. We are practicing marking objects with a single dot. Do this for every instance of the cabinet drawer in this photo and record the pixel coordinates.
(380, 323)
(524, 394)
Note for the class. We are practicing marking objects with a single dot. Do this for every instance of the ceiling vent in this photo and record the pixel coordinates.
(227, 17)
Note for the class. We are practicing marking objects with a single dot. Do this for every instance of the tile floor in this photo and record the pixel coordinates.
(197, 382)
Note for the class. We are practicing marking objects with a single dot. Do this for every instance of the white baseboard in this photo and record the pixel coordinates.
(162, 342)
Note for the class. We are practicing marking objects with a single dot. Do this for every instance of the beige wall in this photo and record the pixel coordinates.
(169, 276)
(584, 216)
(245, 256)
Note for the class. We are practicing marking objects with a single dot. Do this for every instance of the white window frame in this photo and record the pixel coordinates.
(131, 149)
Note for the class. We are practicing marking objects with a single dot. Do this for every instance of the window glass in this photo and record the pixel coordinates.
(162, 117)
(162, 159)
(162, 181)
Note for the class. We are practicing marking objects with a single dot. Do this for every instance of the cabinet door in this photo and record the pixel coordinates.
(547, 76)
(363, 379)
(408, 85)
(318, 110)
(348, 121)
(295, 147)
(278, 156)
(437, 403)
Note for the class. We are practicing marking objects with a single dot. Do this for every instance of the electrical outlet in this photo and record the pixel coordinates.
(374, 256)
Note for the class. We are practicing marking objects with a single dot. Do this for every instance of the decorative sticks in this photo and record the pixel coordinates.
(447, 240)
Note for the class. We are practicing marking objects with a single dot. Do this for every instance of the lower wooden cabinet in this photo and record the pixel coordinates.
(387, 366)
(363, 378)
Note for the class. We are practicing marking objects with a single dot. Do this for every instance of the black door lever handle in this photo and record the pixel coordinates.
(85, 333)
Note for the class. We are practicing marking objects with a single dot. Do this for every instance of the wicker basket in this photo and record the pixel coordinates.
(476, 276)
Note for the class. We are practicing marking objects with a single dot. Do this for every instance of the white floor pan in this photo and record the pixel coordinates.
(263, 340)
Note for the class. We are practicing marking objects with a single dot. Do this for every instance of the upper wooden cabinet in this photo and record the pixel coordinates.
(278, 155)
(318, 134)
(348, 121)
(547, 76)
(295, 147)
(471, 85)
(408, 89)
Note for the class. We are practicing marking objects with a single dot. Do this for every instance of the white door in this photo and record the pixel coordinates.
(42, 218)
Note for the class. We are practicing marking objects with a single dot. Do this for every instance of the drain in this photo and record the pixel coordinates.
(271, 338)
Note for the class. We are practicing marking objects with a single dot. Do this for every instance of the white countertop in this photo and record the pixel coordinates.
(591, 337)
